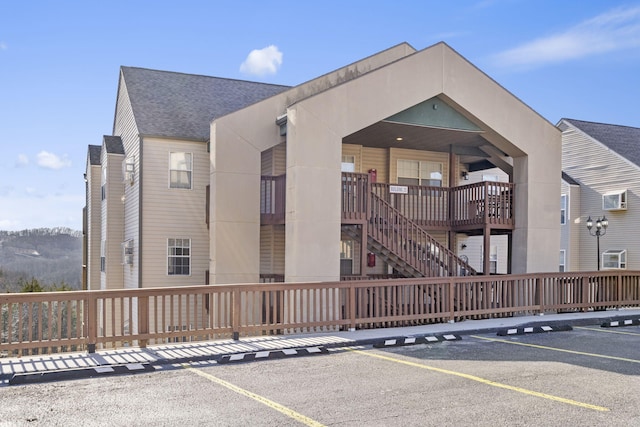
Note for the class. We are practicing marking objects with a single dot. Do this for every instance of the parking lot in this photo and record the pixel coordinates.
(587, 376)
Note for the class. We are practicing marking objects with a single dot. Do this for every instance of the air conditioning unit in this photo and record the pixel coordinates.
(614, 201)
(127, 252)
(128, 170)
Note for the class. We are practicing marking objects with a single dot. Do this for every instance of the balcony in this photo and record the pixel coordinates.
(466, 208)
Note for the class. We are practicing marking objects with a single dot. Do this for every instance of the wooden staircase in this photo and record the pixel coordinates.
(405, 246)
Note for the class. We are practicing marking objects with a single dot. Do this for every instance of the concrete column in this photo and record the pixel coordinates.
(313, 203)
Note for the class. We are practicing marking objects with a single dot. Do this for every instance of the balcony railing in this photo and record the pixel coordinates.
(272, 199)
(34, 323)
(461, 207)
(458, 208)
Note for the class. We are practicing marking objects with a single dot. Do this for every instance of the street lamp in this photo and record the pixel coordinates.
(601, 230)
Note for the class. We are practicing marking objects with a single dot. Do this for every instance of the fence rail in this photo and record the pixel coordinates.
(34, 323)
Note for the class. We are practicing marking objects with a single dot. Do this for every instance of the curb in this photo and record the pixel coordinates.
(534, 330)
(618, 323)
(428, 339)
(272, 354)
(73, 374)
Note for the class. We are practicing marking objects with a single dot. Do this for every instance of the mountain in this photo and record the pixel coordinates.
(52, 256)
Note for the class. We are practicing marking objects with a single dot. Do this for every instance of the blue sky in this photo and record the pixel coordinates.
(59, 64)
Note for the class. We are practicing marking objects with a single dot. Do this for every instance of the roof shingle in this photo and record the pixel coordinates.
(180, 105)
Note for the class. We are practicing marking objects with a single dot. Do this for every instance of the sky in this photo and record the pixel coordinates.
(59, 66)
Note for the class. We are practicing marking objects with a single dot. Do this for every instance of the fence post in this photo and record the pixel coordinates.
(585, 293)
(235, 313)
(540, 296)
(143, 319)
(619, 291)
(352, 306)
(92, 322)
(452, 302)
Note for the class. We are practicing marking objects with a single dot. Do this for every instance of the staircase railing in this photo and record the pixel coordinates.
(405, 239)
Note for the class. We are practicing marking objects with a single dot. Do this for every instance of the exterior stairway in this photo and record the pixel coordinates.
(405, 246)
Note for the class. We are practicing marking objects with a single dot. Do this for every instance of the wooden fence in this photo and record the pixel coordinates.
(48, 322)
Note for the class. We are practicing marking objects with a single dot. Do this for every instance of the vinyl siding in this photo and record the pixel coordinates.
(125, 127)
(173, 213)
(601, 170)
(272, 249)
(474, 247)
(570, 232)
(376, 158)
(113, 222)
(94, 221)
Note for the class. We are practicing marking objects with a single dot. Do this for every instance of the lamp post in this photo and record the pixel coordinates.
(601, 230)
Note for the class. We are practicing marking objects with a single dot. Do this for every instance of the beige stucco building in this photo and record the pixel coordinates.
(358, 172)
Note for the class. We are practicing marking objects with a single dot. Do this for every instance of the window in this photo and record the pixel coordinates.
(180, 169)
(103, 187)
(615, 200)
(490, 178)
(493, 258)
(346, 257)
(614, 258)
(348, 164)
(563, 261)
(179, 257)
(414, 172)
(103, 252)
(563, 209)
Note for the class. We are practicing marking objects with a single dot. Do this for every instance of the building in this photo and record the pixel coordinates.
(601, 164)
(358, 172)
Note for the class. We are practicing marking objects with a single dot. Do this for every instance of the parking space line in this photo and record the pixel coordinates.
(563, 350)
(485, 381)
(607, 330)
(270, 403)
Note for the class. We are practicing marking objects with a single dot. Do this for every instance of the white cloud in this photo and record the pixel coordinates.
(23, 160)
(263, 61)
(617, 29)
(51, 161)
(3, 46)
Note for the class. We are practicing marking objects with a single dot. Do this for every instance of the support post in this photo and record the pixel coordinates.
(235, 313)
(92, 322)
(143, 320)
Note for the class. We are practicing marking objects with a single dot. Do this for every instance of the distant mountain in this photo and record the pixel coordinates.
(52, 256)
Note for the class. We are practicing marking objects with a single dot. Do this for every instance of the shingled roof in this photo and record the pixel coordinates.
(94, 154)
(624, 140)
(183, 105)
(113, 144)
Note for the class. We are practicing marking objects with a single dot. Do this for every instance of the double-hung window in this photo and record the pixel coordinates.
(414, 172)
(563, 261)
(180, 170)
(179, 257)
(563, 209)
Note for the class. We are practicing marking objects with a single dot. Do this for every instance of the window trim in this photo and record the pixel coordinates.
(170, 256)
(563, 261)
(190, 170)
(420, 177)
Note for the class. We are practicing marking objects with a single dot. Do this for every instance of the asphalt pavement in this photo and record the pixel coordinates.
(130, 360)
